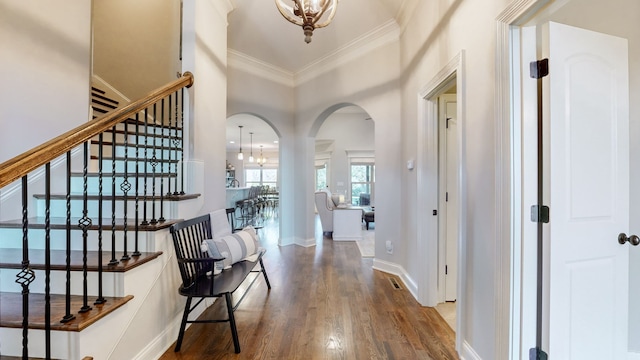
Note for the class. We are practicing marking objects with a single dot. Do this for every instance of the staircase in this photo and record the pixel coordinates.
(86, 262)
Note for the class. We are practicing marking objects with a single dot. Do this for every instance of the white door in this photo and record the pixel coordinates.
(587, 189)
(449, 193)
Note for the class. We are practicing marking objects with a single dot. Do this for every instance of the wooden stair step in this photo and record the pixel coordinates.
(59, 223)
(11, 311)
(141, 160)
(104, 103)
(104, 98)
(131, 145)
(121, 174)
(11, 259)
(94, 197)
(152, 135)
(98, 90)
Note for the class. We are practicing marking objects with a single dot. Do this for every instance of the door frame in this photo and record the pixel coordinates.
(427, 182)
(443, 208)
(512, 273)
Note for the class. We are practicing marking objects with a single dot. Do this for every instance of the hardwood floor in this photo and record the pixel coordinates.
(326, 302)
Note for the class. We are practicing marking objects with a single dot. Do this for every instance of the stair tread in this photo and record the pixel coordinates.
(12, 258)
(131, 145)
(120, 197)
(121, 174)
(11, 311)
(59, 223)
(102, 97)
(132, 159)
(149, 135)
(133, 121)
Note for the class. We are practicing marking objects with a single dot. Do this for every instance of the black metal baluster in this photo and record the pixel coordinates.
(154, 164)
(100, 299)
(162, 172)
(172, 136)
(136, 252)
(125, 187)
(113, 260)
(84, 223)
(146, 144)
(182, 142)
(26, 276)
(68, 315)
(47, 260)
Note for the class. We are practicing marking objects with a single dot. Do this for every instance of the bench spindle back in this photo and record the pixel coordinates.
(187, 238)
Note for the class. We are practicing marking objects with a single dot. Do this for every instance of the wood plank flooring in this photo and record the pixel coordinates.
(326, 302)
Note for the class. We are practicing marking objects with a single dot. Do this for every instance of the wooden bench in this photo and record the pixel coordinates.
(196, 269)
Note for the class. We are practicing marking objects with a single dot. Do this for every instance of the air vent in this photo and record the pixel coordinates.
(395, 284)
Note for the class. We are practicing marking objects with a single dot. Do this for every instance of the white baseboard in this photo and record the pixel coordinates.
(468, 353)
(304, 242)
(633, 355)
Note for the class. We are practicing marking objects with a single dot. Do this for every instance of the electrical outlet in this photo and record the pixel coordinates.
(389, 246)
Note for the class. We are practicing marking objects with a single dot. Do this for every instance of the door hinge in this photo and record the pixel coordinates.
(446, 196)
(540, 213)
(448, 119)
(539, 69)
(537, 354)
(446, 270)
(435, 212)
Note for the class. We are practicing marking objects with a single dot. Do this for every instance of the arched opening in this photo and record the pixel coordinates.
(344, 167)
(252, 172)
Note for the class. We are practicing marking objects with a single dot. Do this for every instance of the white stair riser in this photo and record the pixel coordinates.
(77, 184)
(12, 239)
(12, 343)
(112, 283)
(59, 207)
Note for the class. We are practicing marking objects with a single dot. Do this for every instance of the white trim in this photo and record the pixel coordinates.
(259, 68)
(427, 178)
(120, 97)
(468, 353)
(303, 242)
(386, 33)
(507, 289)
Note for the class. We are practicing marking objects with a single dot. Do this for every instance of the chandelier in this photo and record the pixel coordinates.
(310, 14)
(261, 160)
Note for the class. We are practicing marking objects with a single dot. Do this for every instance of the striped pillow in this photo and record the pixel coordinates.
(237, 246)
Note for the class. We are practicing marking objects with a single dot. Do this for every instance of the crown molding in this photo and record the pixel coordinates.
(259, 68)
(405, 13)
(382, 35)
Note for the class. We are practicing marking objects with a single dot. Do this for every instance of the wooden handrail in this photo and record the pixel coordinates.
(15, 168)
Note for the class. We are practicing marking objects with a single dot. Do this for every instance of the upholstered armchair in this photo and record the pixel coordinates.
(325, 207)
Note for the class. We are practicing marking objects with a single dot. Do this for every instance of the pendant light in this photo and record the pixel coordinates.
(240, 154)
(251, 155)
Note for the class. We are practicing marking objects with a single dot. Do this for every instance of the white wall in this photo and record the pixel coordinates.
(436, 33)
(205, 55)
(136, 44)
(45, 71)
(274, 103)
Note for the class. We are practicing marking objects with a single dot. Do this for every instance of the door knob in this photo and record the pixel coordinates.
(633, 239)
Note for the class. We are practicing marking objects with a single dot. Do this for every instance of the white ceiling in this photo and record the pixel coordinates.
(258, 30)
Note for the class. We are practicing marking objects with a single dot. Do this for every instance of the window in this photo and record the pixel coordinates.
(321, 177)
(261, 176)
(362, 181)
